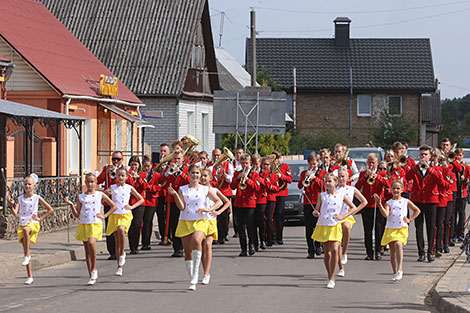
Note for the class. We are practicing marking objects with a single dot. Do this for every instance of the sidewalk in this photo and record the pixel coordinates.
(449, 294)
(50, 249)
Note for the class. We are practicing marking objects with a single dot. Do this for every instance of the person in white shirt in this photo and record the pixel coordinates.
(26, 209)
(90, 227)
(396, 229)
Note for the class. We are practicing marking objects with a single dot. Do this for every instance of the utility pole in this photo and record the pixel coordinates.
(253, 46)
(221, 28)
(350, 100)
(294, 99)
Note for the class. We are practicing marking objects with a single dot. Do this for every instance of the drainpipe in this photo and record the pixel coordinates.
(67, 140)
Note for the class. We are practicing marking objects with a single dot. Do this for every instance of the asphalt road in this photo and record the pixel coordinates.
(280, 279)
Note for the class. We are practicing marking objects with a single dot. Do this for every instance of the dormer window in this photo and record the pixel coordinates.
(197, 57)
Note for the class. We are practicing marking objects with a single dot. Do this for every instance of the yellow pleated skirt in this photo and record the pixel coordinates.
(87, 231)
(395, 234)
(33, 235)
(350, 220)
(185, 228)
(328, 233)
(116, 220)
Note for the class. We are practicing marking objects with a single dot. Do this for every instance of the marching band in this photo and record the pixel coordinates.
(254, 190)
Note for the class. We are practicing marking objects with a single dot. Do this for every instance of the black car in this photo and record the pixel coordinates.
(293, 207)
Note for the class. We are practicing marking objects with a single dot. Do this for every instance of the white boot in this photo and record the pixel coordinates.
(189, 267)
(197, 262)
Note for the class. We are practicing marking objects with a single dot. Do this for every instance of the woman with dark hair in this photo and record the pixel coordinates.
(135, 171)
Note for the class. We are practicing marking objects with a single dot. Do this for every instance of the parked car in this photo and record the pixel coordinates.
(466, 155)
(413, 152)
(293, 207)
(362, 153)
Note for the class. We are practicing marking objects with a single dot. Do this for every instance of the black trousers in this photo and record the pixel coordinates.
(174, 217)
(246, 222)
(452, 217)
(310, 224)
(269, 215)
(147, 225)
(459, 217)
(110, 243)
(234, 217)
(279, 217)
(368, 224)
(161, 216)
(260, 223)
(440, 216)
(223, 223)
(428, 213)
(133, 234)
(447, 221)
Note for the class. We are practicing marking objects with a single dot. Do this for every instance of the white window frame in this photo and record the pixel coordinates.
(118, 136)
(401, 105)
(205, 130)
(191, 123)
(87, 164)
(370, 110)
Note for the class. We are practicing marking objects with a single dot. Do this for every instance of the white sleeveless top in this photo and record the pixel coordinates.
(121, 197)
(194, 199)
(27, 208)
(398, 210)
(209, 203)
(91, 205)
(348, 191)
(330, 206)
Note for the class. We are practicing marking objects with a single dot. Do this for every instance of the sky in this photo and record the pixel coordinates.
(446, 23)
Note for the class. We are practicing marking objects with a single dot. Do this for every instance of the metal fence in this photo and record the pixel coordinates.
(51, 189)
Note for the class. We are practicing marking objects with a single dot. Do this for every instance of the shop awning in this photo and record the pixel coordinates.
(28, 111)
(131, 118)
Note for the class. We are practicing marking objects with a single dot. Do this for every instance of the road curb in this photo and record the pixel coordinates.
(47, 260)
(446, 300)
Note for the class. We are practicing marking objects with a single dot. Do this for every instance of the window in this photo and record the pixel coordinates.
(197, 57)
(364, 105)
(394, 105)
(73, 152)
(191, 130)
(129, 137)
(87, 135)
(205, 131)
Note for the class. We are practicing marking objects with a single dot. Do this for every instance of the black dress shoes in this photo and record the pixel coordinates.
(262, 245)
(369, 257)
(280, 242)
(378, 256)
(269, 243)
(252, 250)
(311, 255)
(112, 257)
(446, 249)
(318, 250)
(430, 257)
(178, 254)
(145, 248)
(420, 258)
(243, 253)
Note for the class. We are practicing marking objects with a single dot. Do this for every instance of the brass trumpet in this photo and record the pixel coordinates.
(402, 160)
(371, 179)
(159, 167)
(242, 185)
(113, 173)
(174, 169)
(276, 169)
(308, 179)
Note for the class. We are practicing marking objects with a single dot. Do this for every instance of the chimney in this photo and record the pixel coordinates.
(342, 32)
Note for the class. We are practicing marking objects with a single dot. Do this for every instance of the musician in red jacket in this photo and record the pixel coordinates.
(371, 182)
(177, 176)
(285, 178)
(463, 176)
(222, 177)
(267, 165)
(425, 194)
(311, 180)
(151, 201)
(106, 179)
(245, 182)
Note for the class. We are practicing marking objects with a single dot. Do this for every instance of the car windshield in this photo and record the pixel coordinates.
(296, 169)
(362, 154)
(414, 154)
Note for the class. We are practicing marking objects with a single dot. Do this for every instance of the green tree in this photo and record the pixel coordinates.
(456, 119)
(264, 78)
(390, 129)
(324, 139)
(266, 143)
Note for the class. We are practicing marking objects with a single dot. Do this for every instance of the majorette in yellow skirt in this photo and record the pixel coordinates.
(87, 231)
(116, 220)
(33, 235)
(395, 234)
(328, 233)
(208, 227)
(349, 219)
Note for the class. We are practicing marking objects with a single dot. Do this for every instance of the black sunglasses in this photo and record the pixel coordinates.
(116, 159)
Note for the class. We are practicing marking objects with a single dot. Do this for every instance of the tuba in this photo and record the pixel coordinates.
(159, 167)
(189, 152)
(276, 169)
(227, 155)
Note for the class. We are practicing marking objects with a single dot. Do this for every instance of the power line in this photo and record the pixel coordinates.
(363, 12)
(371, 25)
(453, 86)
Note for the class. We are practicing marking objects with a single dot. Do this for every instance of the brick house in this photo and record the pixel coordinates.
(164, 53)
(393, 76)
